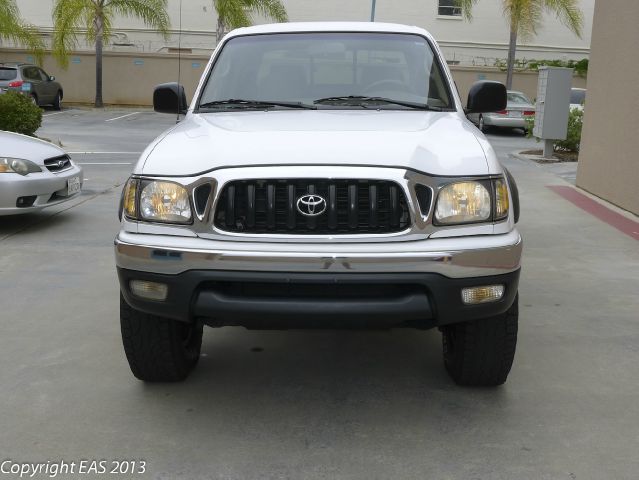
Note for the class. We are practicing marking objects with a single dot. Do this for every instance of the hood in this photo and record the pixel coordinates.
(14, 145)
(437, 143)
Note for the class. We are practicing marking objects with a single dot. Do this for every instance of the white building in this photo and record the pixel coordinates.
(479, 42)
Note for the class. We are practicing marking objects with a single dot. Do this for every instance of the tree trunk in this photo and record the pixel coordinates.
(512, 48)
(219, 33)
(99, 40)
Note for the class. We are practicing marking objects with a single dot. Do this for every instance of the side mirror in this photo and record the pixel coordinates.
(486, 97)
(170, 98)
(52, 78)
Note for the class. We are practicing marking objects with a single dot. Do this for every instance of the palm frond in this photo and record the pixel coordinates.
(69, 18)
(466, 7)
(14, 29)
(568, 13)
(232, 13)
(151, 12)
(272, 9)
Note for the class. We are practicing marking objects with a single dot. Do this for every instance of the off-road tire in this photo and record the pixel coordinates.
(57, 102)
(481, 352)
(159, 349)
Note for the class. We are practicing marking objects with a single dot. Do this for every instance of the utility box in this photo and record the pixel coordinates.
(553, 103)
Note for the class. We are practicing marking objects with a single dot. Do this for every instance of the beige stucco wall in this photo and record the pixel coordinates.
(129, 79)
(609, 158)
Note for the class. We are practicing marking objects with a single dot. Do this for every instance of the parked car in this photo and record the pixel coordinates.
(577, 98)
(34, 174)
(325, 175)
(518, 109)
(31, 80)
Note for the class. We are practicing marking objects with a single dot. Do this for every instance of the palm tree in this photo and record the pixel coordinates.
(237, 13)
(525, 16)
(12, 28)
(95, 17)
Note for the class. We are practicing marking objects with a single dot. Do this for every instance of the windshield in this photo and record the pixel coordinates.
(517, 97)
(323, 68)
(8, 73)
(577, 96)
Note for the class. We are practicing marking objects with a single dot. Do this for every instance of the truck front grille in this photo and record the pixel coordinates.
(344, 206)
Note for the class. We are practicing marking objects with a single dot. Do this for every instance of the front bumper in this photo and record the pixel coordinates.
(48, 188)
(391, 284)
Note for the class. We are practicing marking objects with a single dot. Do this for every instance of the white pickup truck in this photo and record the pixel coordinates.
(324, 176)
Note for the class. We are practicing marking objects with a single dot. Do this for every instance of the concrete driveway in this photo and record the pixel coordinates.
(314, 405)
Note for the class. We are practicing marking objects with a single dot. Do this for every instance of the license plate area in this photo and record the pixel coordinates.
(73, 186)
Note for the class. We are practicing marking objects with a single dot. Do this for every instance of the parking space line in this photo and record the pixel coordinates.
(123, 116)
(105, 163)
(58, 113)
(104, 153)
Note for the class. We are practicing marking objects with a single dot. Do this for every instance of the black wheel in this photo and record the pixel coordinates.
(34, 100)
(57, 103)
(159, 349)
(481, 352)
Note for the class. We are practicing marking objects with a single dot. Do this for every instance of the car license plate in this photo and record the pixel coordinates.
(515, 114)
(73, 186)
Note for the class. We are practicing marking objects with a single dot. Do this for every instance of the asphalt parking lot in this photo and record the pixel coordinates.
(320, 404)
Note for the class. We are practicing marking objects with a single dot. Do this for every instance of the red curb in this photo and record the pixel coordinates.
(596, 209)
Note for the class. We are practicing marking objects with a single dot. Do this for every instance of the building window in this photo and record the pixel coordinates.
(449, 8)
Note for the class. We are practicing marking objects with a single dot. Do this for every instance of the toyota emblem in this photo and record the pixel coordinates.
(311, 205)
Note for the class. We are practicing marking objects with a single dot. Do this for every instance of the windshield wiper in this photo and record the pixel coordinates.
(240, 103)
(363, 101)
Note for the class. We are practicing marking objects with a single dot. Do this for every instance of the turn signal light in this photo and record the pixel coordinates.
(489, 293)
(149, 290)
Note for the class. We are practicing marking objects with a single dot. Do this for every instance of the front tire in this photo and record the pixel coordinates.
(481, 352)
(57, 103)
(159, 349)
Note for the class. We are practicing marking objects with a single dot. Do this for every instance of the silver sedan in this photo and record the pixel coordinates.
(35, 174)
(518, 110)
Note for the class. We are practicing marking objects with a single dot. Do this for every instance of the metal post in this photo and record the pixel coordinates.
(373, 11)
(548, 148)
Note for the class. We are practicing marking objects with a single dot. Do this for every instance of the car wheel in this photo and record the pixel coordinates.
(159, 349)
(481, 352)
(57, 103)
(34, 100)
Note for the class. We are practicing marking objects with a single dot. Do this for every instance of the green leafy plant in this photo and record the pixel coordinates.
(19, 114)
(573, 138)
(13, 28)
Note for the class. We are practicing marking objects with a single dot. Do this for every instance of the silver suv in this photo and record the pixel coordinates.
(324, 176)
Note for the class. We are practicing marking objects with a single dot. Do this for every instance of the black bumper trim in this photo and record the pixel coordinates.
(421, 300)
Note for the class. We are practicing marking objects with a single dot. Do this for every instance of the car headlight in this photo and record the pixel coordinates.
(472, 202)
(463, 202)
(161, 201)
(18, 165)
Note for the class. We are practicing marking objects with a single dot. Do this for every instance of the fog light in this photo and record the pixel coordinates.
(489, 293)
(149, 290)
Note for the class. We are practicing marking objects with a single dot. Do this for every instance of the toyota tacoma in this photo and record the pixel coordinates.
(324, 175)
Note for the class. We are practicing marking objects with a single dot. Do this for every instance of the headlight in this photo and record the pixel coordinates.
(18, 165)
(463, 202)
(164, 202)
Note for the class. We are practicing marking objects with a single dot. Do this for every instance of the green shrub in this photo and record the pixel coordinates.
(19, 114)
(573, 138)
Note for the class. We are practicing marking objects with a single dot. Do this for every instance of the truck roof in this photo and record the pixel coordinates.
(298, 27)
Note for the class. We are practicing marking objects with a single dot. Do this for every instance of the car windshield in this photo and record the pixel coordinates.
(517, 97)
(8, 73)
(577, 96)
(327, 70)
